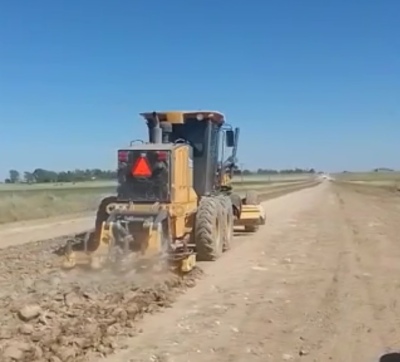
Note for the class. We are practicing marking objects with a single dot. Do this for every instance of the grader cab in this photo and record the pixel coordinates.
(174, 199)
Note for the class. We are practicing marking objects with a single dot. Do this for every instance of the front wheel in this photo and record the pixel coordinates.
(227, 208)
(208, 230)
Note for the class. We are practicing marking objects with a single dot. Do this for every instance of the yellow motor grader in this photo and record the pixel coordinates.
(174, 198)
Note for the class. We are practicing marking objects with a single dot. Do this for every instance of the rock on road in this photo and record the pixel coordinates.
(319, 282)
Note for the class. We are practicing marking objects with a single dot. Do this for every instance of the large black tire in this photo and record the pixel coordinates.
(208, 229)
(251, 198)
(227, 210)
(101, 216)
(237, 203)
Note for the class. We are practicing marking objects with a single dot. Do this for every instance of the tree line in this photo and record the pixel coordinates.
(41, 175)
(266, 171)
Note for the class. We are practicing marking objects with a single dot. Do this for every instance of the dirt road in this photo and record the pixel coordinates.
(319, 282)
(35, 230)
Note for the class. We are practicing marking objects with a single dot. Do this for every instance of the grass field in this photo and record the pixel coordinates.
(26, 202)
(372, 178)
(368, 176)
(384, 180)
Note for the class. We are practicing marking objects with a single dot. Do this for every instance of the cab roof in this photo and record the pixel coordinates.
(182, 116)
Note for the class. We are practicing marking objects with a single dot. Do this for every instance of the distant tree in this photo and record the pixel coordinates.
(28, 177)
(383, 169)
(14, 176)
(64, 177)
(44, 176)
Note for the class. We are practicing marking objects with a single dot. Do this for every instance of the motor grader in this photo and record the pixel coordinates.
(174, 199)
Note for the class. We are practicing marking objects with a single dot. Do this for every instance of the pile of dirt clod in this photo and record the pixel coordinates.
(77, 316)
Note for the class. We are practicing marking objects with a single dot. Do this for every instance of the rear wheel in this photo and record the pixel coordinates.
(101, 216)
(227, 209)
(209, 230)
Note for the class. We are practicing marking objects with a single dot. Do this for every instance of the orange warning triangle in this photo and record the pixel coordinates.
(141, 168)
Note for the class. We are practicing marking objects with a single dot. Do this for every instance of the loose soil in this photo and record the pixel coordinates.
(319, 282)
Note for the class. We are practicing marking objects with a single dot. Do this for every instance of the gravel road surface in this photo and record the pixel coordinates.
(319, 282)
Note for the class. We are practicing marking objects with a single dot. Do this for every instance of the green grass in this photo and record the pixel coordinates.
(253, 179)
(58, 186)
(383, 180)
(26, 205)
(368, 176)
(276, 178)
(27, 202)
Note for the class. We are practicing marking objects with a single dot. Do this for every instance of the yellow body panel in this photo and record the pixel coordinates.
(184, 198)
(147, 235)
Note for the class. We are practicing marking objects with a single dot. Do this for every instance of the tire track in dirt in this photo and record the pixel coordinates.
(329, 325)
(295, 292)
(274, 298)
(374, 218)
(347, 315)
(317, 295)
(355, 317)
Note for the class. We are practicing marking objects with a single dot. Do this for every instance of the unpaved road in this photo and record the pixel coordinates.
(319, 282)
(35, 230)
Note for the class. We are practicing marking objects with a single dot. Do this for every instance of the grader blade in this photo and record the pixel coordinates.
(251, 216)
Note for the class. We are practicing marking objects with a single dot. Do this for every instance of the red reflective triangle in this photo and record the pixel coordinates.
(141, 168)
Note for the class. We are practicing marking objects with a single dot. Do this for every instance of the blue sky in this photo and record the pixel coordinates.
(311, 83)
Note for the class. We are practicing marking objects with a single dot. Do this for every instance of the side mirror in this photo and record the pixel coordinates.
(230, 138)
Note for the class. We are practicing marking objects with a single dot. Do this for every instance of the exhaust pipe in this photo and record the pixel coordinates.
(156, 130)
